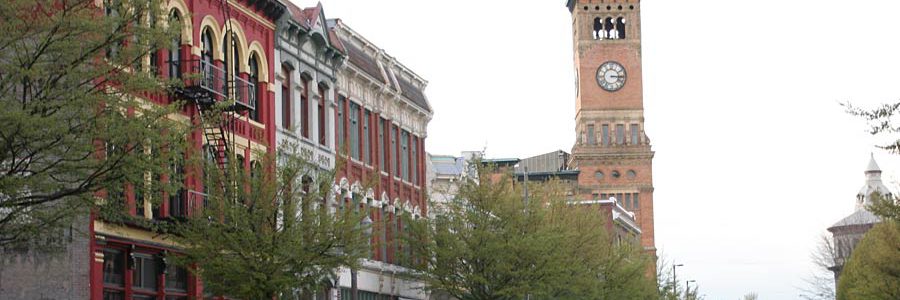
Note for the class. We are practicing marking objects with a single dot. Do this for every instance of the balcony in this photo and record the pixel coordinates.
(207, 84)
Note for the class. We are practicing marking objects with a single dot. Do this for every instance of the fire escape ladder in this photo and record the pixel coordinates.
(217, 142)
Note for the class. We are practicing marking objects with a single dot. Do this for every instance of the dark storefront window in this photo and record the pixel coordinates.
(113, 275)
(176, 283)
(147, 275)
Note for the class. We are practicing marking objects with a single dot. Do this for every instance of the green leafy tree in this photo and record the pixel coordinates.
(873, 270)
(487, 243)
(74, 127)
(276, 231)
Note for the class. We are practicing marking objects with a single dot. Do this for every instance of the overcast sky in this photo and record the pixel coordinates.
(754, 156)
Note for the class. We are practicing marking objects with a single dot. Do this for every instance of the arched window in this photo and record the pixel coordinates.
(231, 58)
(254, 89)
(174, 55)
(206, 59)
(598, 29)
(608, 29)
(620, 27)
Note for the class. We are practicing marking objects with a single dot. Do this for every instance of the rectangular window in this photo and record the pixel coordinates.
(393, 150)
(620, 134)
(321, 117)
(404, 155)
(591, 135)
(113, 269)
(635, 139)
(634, 201)
(176, 282)
(384, 146)
(177, 203)
(174, 54)
(367, 150)
(604, 135)
(354, 130)
(304, 109)
(596, 196)
(286, 112)
(145, 272)
(619, 199)
(628, 201)
(139, 200)
(340, 121)
(415, 160)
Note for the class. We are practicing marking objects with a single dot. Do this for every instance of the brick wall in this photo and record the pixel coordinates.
(46, 273)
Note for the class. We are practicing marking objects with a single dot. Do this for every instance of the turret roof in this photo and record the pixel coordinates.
(873, 166)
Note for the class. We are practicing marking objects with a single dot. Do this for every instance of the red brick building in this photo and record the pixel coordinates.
(381, 124)
(230, 45)
(612, 152)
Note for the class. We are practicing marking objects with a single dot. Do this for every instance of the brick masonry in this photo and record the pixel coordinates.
(48, 274)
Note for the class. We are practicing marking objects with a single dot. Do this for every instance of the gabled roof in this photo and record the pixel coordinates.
(312, 19)
(296, 13)
(311, 14)
(333, 37)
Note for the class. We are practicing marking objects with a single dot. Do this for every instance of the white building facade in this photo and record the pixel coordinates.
(308, 58)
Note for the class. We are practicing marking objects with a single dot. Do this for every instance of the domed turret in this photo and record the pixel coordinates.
(873, 185)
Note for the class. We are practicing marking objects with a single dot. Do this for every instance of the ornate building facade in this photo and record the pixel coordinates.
(229, 45)
(224, 53)
(381, 123)
(308, 59)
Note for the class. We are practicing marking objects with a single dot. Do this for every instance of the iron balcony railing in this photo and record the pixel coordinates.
(185, 203)
(220, 84)
(197, 200)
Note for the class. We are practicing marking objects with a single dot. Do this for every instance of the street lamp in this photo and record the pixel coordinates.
(687, 287)
(675, 280)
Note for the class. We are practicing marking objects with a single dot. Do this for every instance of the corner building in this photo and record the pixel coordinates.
(612, 152)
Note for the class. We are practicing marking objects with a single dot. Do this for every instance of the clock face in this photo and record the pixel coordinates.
(611, 76)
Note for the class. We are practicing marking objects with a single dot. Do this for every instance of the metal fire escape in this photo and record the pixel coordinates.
(205, 87)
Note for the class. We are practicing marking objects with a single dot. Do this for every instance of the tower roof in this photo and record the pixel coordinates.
(860, 217)
(873, 185)
(873, 166)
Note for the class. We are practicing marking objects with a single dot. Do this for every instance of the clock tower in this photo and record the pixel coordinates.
(611, 151)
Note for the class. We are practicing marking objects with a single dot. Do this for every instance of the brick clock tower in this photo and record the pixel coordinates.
(611, 150)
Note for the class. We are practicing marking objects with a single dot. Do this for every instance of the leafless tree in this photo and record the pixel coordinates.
(820, 284)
